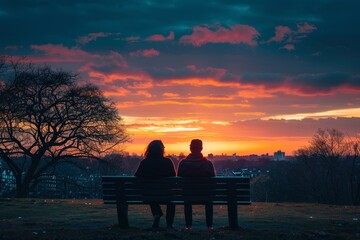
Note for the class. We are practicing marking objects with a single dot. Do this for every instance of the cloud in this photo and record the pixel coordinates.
(301, 85)
(306, 127)
(61, 53)
(254, 93)
(281, 32)
(186, 73)
(145, 53)
(287, 35)
(143, 93)
(171, 95)
(305, 28)
(256, 114)
(252, 85)
(160, 38)
(110, 71)
(13, 47)
(235, 34)
(92, 37)
(133, 39)
(324, 82)
(268, 80)
(289, 47)
(337, 113)
(131, 83)
(116, 92)
(316, 54)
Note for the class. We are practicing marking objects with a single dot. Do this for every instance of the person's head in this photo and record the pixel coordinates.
(196, 146)
(155, 149)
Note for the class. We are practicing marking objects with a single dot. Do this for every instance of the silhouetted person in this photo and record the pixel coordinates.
(195, 165)
(155, 165)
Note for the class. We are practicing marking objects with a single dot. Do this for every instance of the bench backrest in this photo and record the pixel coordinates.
(136, 190)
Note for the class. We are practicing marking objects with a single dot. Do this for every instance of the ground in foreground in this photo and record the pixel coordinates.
(91, 219)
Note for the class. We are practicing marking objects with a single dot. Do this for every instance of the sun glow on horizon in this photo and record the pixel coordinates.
(224, 137)
(225, 147)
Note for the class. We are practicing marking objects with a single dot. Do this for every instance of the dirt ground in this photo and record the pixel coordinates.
(91, 219)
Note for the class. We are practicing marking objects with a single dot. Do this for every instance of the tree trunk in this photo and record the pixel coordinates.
(22, 188)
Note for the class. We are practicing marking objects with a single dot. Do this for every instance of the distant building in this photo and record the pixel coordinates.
(7, 182)
(279, 156)
(47, 186)
(248, 172)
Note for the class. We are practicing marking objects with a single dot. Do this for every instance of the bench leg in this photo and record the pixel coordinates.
(233, 216)
(122, 213)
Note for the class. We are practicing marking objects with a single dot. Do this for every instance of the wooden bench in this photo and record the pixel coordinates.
(230, 191)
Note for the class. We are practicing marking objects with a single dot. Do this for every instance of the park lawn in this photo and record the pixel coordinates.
(91, 219)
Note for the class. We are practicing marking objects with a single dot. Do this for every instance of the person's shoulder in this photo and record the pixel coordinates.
(182, 161)
(145, 161)
(209, 162)
(206, 160)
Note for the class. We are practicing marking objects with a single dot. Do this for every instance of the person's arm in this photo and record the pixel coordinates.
(171, 168)
(212, 169)
(180, 169)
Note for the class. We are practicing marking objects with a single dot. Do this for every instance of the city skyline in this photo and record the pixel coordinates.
(249, 77)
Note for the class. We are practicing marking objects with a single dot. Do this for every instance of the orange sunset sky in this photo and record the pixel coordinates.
(246, 77)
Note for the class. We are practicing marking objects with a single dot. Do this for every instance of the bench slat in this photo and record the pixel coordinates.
(179, 202)
(218, 180)
(176, 191)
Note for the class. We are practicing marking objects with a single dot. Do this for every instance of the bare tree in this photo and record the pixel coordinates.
(354, 172)
(326, 160)
(47, 117)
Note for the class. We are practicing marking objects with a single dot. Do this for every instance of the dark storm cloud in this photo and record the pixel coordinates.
(190, 71)
(268, 80)
(44, 21)
(325, 82)
(130, 83)
(263, 78)
(131, 17)
(67, 22)
(37, 22)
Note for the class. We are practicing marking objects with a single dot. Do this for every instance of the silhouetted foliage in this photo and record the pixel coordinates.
(326, 171)
(331, 167)
(46, 113)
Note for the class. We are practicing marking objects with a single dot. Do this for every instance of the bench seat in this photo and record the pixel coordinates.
(125, 190)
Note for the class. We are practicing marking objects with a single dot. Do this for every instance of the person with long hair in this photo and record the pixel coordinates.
(155, 165)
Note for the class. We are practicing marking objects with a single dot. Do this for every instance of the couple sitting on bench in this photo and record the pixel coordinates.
(155, 165)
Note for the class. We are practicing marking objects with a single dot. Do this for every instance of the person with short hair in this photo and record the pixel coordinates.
(155, 165)
(196, 165)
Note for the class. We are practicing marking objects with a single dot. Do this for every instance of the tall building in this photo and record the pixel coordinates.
(279, 156)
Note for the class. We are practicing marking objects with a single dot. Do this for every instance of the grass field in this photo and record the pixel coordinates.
(91, 219)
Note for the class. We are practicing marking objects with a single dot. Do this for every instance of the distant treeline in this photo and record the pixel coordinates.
(327, 171)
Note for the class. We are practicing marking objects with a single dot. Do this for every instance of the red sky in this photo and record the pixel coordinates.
(245, 78)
